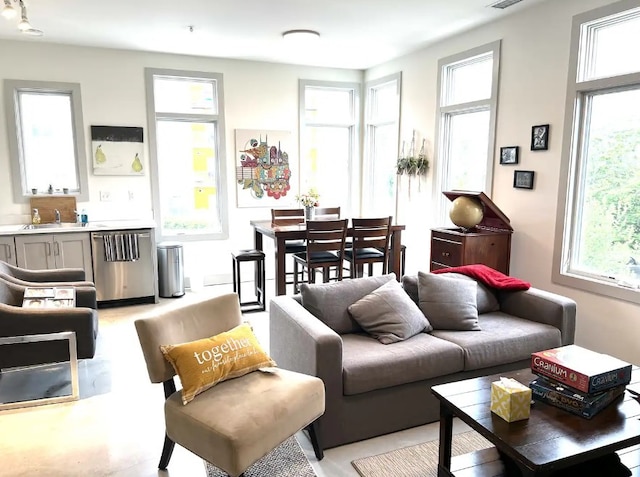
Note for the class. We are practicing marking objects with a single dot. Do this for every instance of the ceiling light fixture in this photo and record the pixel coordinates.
(9, 12)
(302, 35)
(502, 4)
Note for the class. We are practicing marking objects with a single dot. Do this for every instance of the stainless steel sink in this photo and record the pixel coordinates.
(63, 225)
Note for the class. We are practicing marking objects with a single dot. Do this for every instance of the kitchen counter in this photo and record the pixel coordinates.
(70, 227)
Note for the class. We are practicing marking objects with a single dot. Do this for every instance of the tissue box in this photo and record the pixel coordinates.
(510, 399)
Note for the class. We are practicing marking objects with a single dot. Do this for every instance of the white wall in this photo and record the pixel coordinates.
(533, 81)
(257, 96)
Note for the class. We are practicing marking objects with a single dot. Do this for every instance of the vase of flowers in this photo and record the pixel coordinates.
(309, 201)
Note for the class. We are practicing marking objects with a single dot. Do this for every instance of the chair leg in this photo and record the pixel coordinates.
(167, 450)
(315, 440)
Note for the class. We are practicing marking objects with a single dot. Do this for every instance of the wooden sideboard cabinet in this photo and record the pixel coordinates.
(488, 243)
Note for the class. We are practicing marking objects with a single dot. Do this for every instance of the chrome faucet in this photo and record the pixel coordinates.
(57, 214)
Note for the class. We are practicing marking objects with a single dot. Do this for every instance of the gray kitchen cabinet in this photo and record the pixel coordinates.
(47, 251)
(8, 250)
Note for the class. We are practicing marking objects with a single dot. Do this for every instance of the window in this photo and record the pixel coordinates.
(186, 128)
(46, 138)
(329, 129)
(381, 145)
(466, 118)
(598, 237)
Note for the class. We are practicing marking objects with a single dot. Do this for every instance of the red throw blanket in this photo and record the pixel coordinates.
(488, 276)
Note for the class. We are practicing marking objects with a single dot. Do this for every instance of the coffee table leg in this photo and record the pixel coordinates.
(446, 434)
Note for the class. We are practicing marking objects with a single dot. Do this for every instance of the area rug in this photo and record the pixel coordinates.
(286, 460)
(419, 460)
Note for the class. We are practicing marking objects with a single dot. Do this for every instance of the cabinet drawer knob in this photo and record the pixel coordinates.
(446, 254)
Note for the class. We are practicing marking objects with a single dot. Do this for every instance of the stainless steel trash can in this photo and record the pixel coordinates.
(170, 270)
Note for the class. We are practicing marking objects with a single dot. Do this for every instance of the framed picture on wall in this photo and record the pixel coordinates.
(117, 150)
(523, 179)
(509, 155)
(540, 137)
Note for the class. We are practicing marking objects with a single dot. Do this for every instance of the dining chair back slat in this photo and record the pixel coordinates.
(328, 212)
(287, 216)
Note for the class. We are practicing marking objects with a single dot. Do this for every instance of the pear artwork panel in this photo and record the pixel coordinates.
(117, 150)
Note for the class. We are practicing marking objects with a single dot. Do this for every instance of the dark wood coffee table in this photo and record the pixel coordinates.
(550, 440)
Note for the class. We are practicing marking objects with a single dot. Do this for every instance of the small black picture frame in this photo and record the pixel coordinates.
(540, 137)
(509, 154)
(523, 179)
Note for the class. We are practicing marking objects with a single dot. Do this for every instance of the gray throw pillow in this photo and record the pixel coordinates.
(486, 299)
(410, 285)
(329, 302)
(389, 315)
(448, 303)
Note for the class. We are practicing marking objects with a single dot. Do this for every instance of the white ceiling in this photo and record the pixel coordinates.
(354, 33)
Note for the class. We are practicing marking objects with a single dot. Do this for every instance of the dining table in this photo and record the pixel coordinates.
(281, 233)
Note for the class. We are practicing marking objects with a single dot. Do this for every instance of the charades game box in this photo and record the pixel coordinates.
(581, 369)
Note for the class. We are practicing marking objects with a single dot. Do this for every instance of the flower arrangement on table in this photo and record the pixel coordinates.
(310, 199)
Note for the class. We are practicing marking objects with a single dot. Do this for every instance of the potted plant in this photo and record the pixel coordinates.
(413, 165)
(309, 201)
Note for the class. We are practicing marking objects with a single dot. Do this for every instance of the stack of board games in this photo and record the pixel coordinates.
(49, 297)
(578, 380)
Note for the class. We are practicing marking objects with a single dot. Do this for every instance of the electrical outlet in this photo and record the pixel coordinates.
(105, 196)
(131, 195)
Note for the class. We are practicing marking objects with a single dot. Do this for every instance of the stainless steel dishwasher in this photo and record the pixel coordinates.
(124, 265)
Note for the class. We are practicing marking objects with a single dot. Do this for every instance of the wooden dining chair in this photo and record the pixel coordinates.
(325, 249)
(289, 217)
(371, 243)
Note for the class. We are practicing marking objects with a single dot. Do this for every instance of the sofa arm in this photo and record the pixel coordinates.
(544, 307)
(301, 342)
(16, 321)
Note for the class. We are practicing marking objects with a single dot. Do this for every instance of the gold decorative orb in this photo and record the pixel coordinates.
(466, 212)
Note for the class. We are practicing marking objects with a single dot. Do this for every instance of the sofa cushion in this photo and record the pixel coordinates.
(503, 339)
(448, 303)
(329, 302)
(388, 314)
(486, 299)
(368, 365)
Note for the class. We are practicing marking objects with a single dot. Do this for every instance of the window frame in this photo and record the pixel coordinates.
(370, 124)
(217, 120)
(12, 88)
(571, 167)
(445, 113)
(354, 131)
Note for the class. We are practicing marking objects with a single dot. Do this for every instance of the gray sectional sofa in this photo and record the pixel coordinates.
(373, 388)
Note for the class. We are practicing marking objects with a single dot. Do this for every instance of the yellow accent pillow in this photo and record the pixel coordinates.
(203, 363)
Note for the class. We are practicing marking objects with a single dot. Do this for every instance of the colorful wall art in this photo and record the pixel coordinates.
(117, 150)
(263, 168)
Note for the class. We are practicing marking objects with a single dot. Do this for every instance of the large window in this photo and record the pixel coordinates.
(329, 129)
(46, 138)
(466, 118)
(598, 232)
(381, 145)
(187, 150)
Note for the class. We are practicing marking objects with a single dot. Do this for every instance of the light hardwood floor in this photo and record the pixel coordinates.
(117, 428)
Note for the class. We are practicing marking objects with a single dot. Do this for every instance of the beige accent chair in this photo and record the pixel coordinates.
(237, 422)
